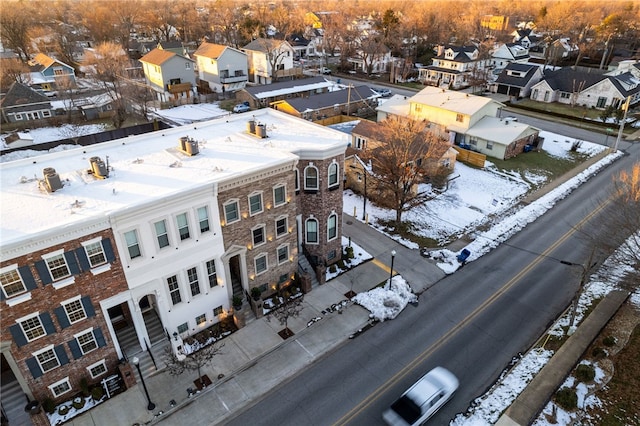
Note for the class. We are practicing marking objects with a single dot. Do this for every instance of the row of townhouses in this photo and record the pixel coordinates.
(177, 222)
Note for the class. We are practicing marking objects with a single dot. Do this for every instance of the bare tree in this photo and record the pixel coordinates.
(13, 70)
(14, 31)
(107, 64)
(401, 162)
(192, 362)
(290, 307)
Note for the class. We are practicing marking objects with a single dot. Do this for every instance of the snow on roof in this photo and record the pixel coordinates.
(149, 167)
(500, 130)
(396, 105)
(450, 100)
(288, 87)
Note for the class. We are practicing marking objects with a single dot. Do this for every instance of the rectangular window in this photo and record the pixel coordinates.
(174, 289)
(203, 219)
(602, 102)
(279, 195)
(332, 228)
(60, 388)
(283, 254)
(218, 311)
(183, 328)
(194, 285)
(201, 319)
(133, 247)
(58, 266)
(12, 283)
(87, 341)
(489, 145)
(255, 204)
(32, 328)
(97, 369)
(47, 360)
(459, 118)
(95, 254)
(75, 311)
(231, 212)
(281, 227)
(258, 235)
(261, 264)
(211, 273)
(183, 226)
(161, 233)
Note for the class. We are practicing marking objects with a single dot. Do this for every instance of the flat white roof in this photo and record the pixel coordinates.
(149, 167)
(450, 100)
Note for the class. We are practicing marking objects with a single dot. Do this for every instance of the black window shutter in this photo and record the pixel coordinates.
(18, 335)
(34, 367)
(72, 262)
(75, 349)
(99, 337)
(88, 307)
(83, 259)
(62, 355)
(43, 271)
(61, 314)
(47, 323)
(108, 250)
(27, 278)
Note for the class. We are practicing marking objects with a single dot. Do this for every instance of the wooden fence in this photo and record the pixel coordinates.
(470, 157)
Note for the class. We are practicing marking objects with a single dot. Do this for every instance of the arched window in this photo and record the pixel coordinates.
(311, 231)
(333, 175)
(332, 227)
(311, 178)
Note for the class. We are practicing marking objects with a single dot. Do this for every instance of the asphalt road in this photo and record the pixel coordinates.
(472, 322)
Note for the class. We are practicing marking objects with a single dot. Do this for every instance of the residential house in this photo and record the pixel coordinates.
(369, 137)
(47, 73)
(516, 79)
(194, 217)
(300, 45)
(175, 46)
(263, 96)
(23, 104)
(453, 67)
(527, 38)
(590, 89)
(96, 107)
(170, 75)
(506, 54)
(358, 100)
(466, 119)
(372, 57)
(222, 69)
(561, 49)
(270, 60)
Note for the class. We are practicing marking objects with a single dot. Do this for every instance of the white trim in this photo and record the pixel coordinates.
(253, 194)
(64, 282)
(71, 299)
(101, 269)
(91, 241)
(16, 300)
(45, 349)
(83, 332)
(266, 263)
(53, 254)
(59, 382)
(96, 364)
(235, 201)
(9, 268)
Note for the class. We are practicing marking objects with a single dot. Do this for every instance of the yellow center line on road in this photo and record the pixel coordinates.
(381, 265)
(355, 411)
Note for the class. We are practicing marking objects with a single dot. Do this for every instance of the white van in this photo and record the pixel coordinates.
(423, 399)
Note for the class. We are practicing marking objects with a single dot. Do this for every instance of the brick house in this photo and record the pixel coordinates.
(197, 215)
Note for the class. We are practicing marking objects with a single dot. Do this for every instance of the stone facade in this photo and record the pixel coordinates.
(86, 287)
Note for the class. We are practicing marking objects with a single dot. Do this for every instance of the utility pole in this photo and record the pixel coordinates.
(625, 108)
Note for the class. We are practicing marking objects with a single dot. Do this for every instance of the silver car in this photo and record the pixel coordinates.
(423, 399)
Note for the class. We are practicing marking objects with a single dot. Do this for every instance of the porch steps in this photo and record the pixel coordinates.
(14, 401)
(304, 267)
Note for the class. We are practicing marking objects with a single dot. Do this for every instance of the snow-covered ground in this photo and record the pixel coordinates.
(475, 197)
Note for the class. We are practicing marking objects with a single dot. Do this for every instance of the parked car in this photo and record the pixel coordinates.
(423, 399)
(325, 70)
(383, 92)
(243, 107)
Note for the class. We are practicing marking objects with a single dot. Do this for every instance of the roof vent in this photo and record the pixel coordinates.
(189, 146)
(99, 169)
(251, 127)
(261, 131)
(51, 179)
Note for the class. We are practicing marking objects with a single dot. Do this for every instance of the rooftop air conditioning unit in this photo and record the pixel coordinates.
(98, 168)
(51, 179)
(189, 146)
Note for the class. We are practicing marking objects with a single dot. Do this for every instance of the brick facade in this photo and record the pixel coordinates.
(91, 285)
(320, 204)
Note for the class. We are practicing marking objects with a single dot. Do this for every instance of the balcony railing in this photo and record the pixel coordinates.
(233, 79)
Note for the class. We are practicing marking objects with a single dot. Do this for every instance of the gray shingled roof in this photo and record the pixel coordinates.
(338, 97)
(20, 98)
(570, 80)
(510, 80)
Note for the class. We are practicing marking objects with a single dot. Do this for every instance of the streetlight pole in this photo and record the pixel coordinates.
(364, 202)
(583, 280)
(151, 406)
(393, 256)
